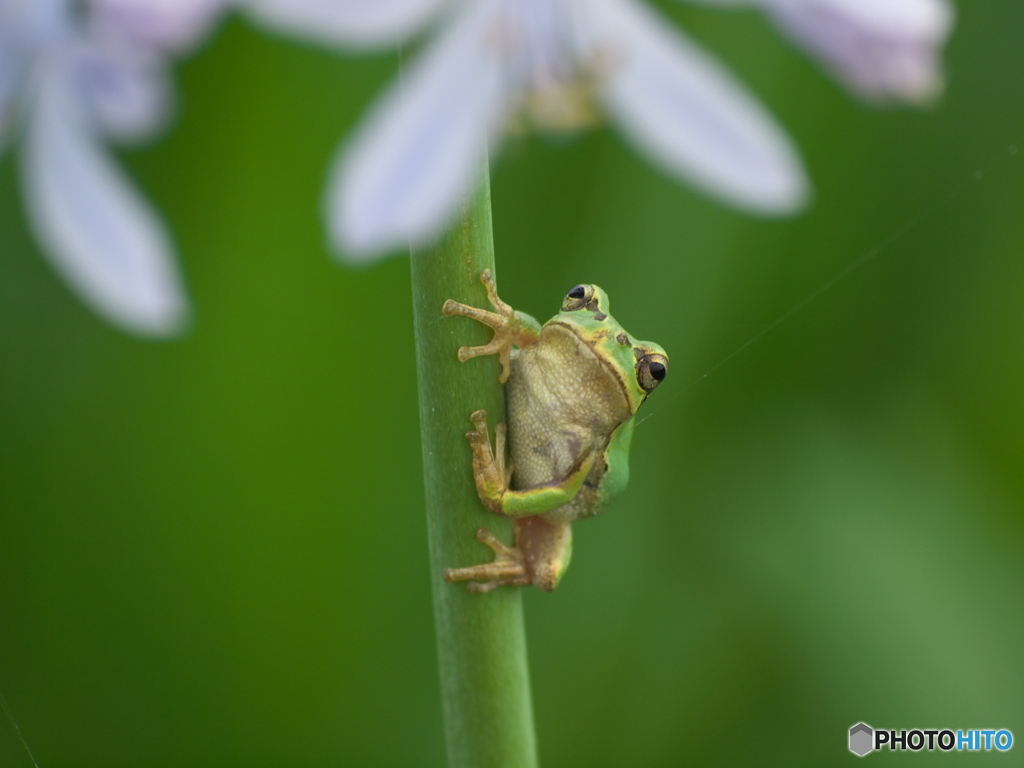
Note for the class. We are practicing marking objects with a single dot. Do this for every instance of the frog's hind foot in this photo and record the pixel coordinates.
(508, 567)
(507, 325)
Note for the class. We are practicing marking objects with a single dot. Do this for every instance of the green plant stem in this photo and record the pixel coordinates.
(481, 640)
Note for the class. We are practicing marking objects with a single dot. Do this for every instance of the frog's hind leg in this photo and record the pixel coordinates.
(508, 567)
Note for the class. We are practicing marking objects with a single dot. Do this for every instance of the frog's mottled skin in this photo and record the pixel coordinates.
(573, 387)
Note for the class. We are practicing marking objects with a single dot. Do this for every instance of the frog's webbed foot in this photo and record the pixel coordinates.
(489, 470)
(510, 327)
(508, 567)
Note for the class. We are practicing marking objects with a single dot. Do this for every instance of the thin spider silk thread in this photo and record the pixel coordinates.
(997, 164)
(10, 716)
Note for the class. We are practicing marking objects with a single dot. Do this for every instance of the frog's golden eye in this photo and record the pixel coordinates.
(651, 370)
(577, 298)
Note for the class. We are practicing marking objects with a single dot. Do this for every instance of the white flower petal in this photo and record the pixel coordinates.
(128, 93)
(883, 17)
(22, 25)
(10, 67)
(164, 24)
(348, 22)
(415, 158)
(883, 49)
(31, 22)
(689, 115)
(95, 228)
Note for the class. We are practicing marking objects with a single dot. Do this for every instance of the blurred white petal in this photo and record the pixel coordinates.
(884, 49)
(128, 94)
(415, 158)
(22, 26)
(161, 24)
(29, 22)
(9, 71)
(688, 114)
(95, 228)
(348, 22)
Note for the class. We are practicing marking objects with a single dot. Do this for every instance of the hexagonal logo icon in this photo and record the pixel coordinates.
(862, 738)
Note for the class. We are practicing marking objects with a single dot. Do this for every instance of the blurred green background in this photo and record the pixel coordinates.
(213, 550)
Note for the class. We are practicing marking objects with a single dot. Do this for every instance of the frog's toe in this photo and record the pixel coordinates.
(498, 322)
(492, 293)
(499, 346)
(479, 439)
(496, 346)
(501, 549)
(487, 576)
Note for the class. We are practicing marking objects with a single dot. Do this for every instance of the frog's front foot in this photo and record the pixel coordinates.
(508, 326)
(508, 567)
(489, 470)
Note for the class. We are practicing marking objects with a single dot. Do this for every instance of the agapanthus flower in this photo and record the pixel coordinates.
(553, 65)
(70, 79)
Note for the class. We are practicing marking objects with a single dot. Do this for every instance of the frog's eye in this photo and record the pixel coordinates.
(577, 297)
(651, 370)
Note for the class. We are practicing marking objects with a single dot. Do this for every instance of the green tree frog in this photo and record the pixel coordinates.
(572, 389)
